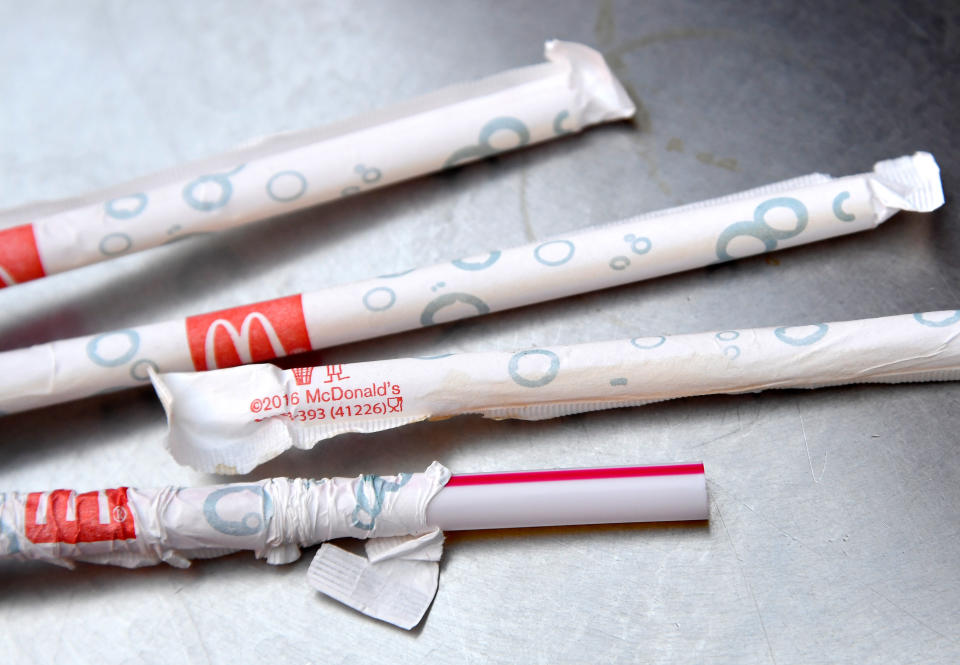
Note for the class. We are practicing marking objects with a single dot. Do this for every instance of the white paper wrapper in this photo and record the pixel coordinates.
(274, 518)
(234, 419)
(279, 174)
(395, 581)
(777, 216)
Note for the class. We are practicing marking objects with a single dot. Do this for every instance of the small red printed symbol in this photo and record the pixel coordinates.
(246, 334)
(19, 258)
(303, 375)
(395, 404)
(334, 373)
(63, 516)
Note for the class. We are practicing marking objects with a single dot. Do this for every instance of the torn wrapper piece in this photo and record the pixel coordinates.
(773, 217)
(279, 174)
(237, 418)
(395, 582)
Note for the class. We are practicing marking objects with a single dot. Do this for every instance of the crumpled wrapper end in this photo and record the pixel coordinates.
(395, 582)
(600, 96)
(911, 183)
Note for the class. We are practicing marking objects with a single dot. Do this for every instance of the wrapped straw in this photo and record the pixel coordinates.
(286, 172)
(783, 215)
(231, 420)
(400, 516)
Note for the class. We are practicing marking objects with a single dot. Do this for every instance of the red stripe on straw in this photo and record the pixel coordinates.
(574, 474)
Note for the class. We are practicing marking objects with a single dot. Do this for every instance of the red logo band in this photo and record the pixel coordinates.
(63, 516)
(251, 333)
(19, 259)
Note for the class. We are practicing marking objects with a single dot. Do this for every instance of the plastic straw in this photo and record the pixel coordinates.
(604, 495)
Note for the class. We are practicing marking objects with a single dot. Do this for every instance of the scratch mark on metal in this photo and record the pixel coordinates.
(679, 34)
(605, 26)
(946, 283)
(714, 439)
(196, 628)
(710, 159)
(715, 486)
(616, 320)
(743, 576)
(806, 447)
(133, 81)
(67, 612)
(913, 616)
(740, 429)
(524, 212)
(646, 152)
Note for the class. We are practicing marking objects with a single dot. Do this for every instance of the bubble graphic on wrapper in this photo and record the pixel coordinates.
(558, 123)
(801, 335)
(112, 349)
(368, 176)
(126, 207)
(379, 298)
(534, 368)
(639, 245)
(139, 371)
(9, 543)
(554, 252)
(114, 244)
(838, 210)
(210, 192)
(371, 493)
(473, 264)
(504, 125)
(732, 351)
(648, 342)
(766, 230)
(429, 315)
(286, 186)
(250, 523)
(619, 263)
(925, 319)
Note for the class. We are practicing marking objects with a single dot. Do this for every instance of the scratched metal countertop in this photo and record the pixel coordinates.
(833, 533)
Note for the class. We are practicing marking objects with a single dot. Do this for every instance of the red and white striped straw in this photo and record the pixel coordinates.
(604, 495)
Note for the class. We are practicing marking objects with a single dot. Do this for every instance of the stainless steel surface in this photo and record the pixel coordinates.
(834, 513)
